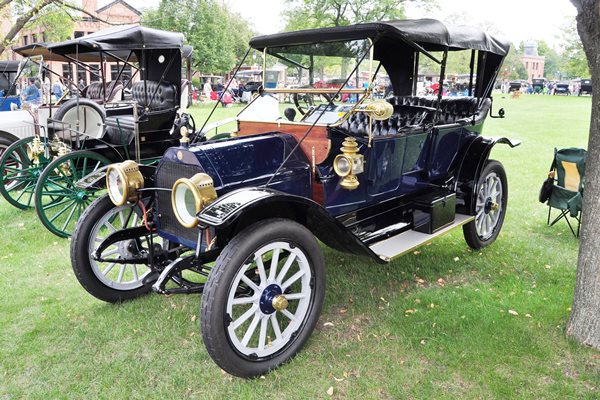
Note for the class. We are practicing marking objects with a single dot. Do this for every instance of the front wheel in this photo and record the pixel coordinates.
(490, 208)
(120, 272)
(263, 297)
(58, 201)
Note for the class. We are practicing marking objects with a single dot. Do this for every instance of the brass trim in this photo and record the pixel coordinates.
(201, 186)
(132, 178)
(316, 90)
(280, 303)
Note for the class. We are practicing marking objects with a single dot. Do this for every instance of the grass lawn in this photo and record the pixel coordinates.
(434, 324)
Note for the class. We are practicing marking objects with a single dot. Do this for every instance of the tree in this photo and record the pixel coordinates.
(55, 15)
(584, 322)
(218, 36)
(305, 14)
(574, 64)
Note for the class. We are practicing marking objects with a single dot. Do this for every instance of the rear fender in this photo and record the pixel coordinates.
(473, 162)
(241, 208)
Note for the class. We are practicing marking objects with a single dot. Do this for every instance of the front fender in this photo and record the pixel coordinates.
(241, 208)
(472, 164)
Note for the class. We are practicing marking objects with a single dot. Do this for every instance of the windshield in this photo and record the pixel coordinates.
(319, 82)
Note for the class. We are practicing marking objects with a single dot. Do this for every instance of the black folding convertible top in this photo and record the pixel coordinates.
(430, 34)
(118, 40)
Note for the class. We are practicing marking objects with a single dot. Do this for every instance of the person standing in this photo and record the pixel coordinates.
(31, 94)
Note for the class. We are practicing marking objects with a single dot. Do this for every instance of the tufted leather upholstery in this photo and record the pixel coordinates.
(162, 99)
(411, 113)
(95, 91)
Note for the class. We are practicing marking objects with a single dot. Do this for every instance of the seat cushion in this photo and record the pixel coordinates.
(154, 96)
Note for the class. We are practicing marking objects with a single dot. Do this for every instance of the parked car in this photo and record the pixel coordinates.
(514, 86)
(538, 85)
(586, 87)
(562, 88)
(373, 179)
(41, 171)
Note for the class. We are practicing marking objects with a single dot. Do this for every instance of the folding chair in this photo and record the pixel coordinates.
(568, 170)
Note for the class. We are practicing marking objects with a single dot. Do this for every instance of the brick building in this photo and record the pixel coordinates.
(534, 63)
(117, 12)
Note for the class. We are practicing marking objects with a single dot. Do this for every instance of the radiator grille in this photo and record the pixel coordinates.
(166, 176)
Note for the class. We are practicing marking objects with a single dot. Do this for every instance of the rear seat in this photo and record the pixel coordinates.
(412, 113)
(95, 91)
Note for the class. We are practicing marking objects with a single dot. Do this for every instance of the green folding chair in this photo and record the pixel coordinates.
(568, 170)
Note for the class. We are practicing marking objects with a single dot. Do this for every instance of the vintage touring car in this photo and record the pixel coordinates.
(238, 218)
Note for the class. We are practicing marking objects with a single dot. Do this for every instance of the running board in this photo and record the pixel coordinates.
(407, 241)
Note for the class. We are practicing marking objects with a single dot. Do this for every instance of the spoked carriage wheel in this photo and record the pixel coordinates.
(263, 297)
(113, 279)
(492, 195)
(19, 173)
(58, 202)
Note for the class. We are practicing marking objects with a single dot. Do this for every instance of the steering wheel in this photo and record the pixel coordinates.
(305, 101)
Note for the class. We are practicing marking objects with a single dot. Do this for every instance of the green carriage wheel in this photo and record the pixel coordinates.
(19, 173)
(58, 202)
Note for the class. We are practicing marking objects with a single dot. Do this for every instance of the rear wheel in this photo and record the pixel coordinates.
(490, 208)
(263, 297)
(19, 172)
(58, 201)
(111, 279)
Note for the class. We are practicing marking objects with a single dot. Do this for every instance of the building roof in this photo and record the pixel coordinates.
(115, 2)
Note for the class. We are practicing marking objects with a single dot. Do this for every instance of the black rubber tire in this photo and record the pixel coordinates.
(80, 256)
(73, 103)
(473, 239)
(4, 143)
(213, 304)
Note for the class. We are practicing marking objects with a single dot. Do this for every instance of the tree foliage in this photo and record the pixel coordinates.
(574, 63)
(305, 14)
(218, 36)
(55, 17)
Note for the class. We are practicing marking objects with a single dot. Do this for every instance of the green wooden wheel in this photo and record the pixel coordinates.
(58, 202)
(19, 173)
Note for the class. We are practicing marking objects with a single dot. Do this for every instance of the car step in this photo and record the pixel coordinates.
(407, 241)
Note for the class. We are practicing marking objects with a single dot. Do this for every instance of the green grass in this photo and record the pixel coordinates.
(431, 325)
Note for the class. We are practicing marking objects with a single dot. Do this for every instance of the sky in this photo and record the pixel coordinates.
(518, 20)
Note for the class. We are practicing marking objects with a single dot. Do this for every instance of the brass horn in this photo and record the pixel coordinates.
(378, 110)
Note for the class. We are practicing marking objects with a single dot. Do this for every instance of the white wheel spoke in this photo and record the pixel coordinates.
(243, 300)
(251, 284)
(121, 273)
(274, 262)
(108, 268)
(262, 337)
(135, 272)
(251, 329)
(292, 279)
(244, 317)
(261, 269)
(295, 296)
(275, 325)
(110, 253)
(288, 314)
(122, 218)
(286, 267)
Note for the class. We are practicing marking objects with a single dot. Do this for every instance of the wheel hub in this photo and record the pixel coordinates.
(128, 249)
(272, 300)
(81, 195)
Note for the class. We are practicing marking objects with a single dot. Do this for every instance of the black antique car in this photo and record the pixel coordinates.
(562, 88)
(585, 87)
(99, 125)
(538, 85)
(238, 218)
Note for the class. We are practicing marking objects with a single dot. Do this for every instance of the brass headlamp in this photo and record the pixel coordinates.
(190, 196)
(123, 180)
(348, 164)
